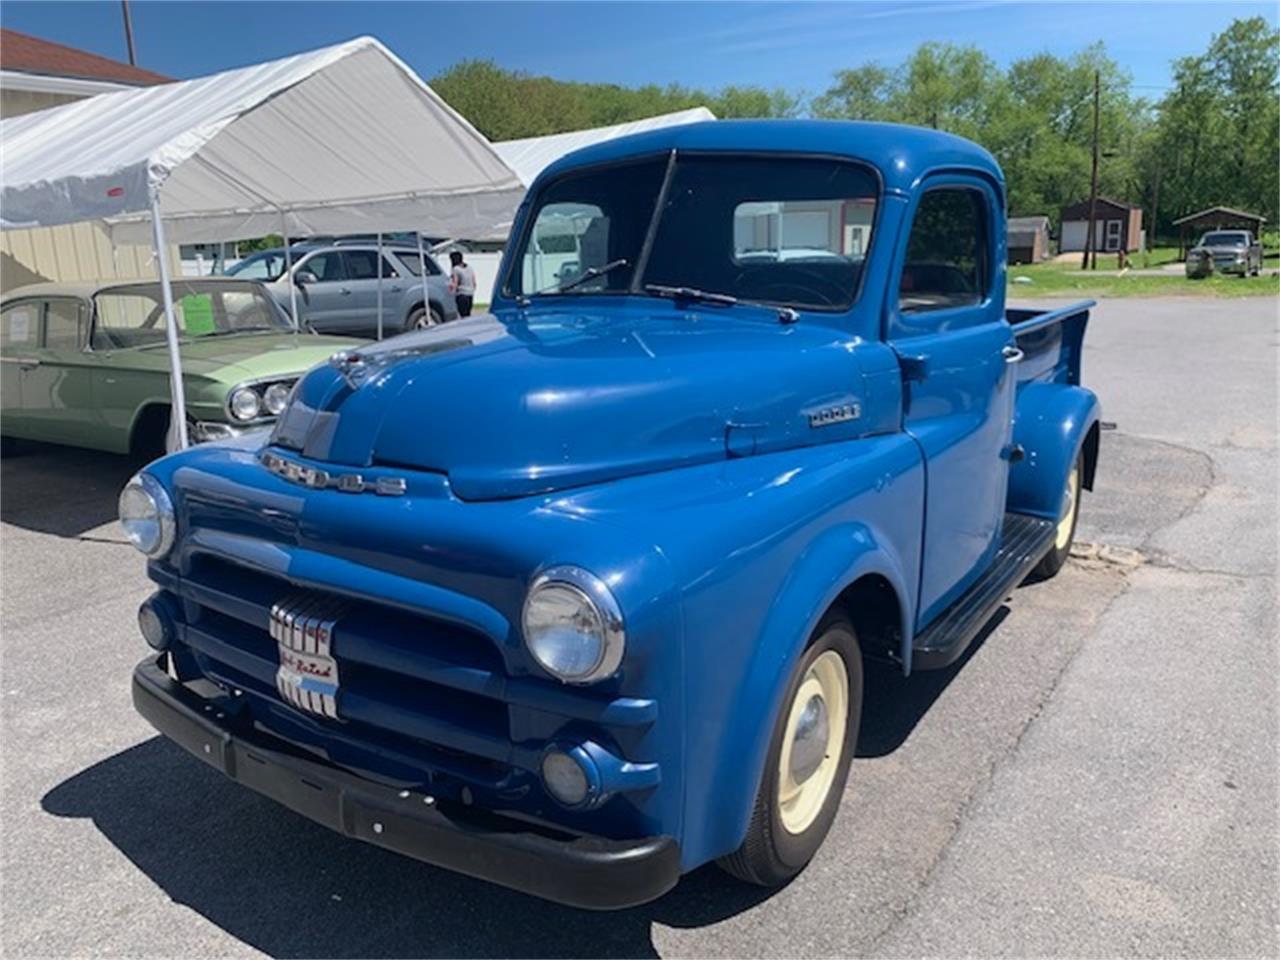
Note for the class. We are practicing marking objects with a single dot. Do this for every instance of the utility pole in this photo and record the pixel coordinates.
(1089, 245)
(1155, 207)
(128, 32)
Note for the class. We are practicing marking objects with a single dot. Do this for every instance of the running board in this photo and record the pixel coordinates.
(1023, 541)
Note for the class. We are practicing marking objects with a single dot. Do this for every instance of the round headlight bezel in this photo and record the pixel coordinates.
(591, 591)
(281, 389)
(152, 543)
(249, 392)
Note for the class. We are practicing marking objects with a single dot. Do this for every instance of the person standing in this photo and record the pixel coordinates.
(462, 282)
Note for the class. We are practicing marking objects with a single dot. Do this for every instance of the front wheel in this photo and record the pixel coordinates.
(420, 319)
(1065, 535)
(808, 762)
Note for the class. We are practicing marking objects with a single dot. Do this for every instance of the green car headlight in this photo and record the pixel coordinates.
(245, 404)
(276, 398)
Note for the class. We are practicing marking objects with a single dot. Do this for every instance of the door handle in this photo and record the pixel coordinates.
(1012, 354)
(28, 363)
(395, 289)
(345, 291)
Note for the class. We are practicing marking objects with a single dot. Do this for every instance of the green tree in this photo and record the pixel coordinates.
(509, 105)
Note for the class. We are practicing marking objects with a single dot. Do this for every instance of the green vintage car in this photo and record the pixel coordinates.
(87, 364)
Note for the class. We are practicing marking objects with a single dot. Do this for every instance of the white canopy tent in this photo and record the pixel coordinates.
(340, 140)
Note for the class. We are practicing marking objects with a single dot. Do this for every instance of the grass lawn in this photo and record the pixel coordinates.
(1059, 280)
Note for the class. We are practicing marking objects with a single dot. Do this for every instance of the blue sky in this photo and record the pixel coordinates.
(793, 45)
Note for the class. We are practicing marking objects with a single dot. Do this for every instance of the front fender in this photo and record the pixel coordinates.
(1051, 423)
(831, 563)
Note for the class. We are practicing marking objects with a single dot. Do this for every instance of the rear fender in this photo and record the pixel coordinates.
(1052, 424)
(835, 560)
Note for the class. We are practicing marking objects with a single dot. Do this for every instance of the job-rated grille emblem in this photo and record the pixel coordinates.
(302, 627)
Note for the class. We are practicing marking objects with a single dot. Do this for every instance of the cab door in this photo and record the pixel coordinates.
(955, 347)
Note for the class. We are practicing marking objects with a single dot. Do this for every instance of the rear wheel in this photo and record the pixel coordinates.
(1065, 534)
(420, 319)
(808, 761)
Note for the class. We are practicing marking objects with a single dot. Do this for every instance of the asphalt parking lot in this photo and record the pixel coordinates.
(1098, 777)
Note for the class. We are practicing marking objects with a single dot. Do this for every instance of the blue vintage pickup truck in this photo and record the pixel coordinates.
(575, 597)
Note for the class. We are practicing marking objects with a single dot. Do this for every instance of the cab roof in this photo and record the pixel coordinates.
(901, 153)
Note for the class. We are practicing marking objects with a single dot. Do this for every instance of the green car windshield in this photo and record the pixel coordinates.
(133, 315)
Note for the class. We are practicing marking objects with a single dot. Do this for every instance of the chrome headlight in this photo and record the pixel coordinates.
(244, 403)
(146, 513)
(573, 626)
(276, 398)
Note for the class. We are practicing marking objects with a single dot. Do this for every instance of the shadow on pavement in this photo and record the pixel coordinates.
(64, 491)
(893, 704)
(291, 888)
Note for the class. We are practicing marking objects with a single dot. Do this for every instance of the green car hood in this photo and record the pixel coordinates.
(231, 359)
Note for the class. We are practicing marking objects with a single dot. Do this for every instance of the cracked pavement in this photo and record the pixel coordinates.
(1097, 777)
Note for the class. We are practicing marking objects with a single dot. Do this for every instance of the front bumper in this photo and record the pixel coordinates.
(203, 431)
(581, 871)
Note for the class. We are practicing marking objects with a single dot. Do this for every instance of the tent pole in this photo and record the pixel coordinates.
(288, 271)
(178, 409)
(380, 272)
(422, 273)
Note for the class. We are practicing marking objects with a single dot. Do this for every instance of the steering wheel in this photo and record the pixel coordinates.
(824, 289)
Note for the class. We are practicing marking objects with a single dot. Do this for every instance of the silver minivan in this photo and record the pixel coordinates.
(337, 287)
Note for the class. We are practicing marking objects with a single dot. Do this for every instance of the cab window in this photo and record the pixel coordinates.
(946, 262)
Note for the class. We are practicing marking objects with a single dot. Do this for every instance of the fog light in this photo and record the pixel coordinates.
(156, 623)
(565, 779)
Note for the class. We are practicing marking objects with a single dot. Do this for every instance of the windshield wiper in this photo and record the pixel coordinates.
(785, 314)
(589, 274)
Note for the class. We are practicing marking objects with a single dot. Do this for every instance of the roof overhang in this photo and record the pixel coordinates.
(48, 83)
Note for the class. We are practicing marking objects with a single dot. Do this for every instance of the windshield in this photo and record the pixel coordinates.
(133, 316)
(787, 231)
(1224, 239)
(268, 265)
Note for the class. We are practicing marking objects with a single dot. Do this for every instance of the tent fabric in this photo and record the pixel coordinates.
(343, 139)
(530, 156)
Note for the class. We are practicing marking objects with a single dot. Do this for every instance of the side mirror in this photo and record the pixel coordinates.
(304, 277)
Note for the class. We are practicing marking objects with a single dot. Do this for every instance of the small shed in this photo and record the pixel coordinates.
(1215, 218)
(1117, 226)
(1028, 239)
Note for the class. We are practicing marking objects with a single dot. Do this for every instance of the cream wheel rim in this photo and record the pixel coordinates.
(1068, 508)
(812, 742)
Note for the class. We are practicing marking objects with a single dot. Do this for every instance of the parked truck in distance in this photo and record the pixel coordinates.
(1225, 251)
(576, 596)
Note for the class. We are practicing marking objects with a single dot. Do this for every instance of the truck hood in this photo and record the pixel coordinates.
(534, 402)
